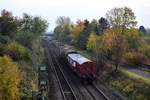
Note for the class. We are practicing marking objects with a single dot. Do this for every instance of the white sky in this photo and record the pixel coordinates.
(76, 9)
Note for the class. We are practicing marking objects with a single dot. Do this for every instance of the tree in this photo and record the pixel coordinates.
(134, 39)
(57, 32)
(39, 25)
(103, 25)
(62, 20)
(94, 26)
(35, 25)
(30, 29)
(62, 32)
(76, 31)
(142, 29)
(86, 23)
(8, 23)
(10, 77)
(83, 36)
(116, 44)
(121, 18)
(17, 51)
(91, 44)
(65, 33)
(25, 38)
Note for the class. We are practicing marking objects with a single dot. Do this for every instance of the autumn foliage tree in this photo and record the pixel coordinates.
(82, 39)
(10, 77)
(92, 40)
(18, 37)
(116, 44)
(76, 31)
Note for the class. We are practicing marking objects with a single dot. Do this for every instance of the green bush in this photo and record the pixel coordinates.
(25, 38)
(17, 51)
(4, 39)
(117, 84)
(128, 89)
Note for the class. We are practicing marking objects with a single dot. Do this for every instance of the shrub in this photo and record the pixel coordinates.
(17, 51)
(25, 38)
(128, 89)
(117, 84)
(140, 97)
(146, 51)
(135, 58)
(4, 39)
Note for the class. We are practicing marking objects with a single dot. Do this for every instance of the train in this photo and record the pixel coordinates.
(83, 67)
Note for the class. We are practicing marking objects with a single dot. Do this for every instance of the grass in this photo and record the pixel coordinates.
(135, 76)
(146, 38)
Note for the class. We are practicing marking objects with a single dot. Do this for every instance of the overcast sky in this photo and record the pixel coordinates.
(76, 9)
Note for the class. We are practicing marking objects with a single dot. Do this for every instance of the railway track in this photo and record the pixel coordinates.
(66, 90)
(101, 93)
(91, 91)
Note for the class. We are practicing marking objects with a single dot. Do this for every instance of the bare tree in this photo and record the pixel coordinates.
(62, 20)
(121, 18)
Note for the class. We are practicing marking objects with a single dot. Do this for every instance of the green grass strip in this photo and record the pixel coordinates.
(135, 76)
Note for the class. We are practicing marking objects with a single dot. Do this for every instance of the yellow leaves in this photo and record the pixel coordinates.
(10, 77)
(108, 40)
(114, 40)
(134, 33)
(91, 44)
(77, 30)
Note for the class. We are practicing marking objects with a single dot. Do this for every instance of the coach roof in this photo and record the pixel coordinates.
(78, 58)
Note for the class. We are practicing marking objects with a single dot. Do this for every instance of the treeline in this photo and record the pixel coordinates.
(112, 39)
(20, 53)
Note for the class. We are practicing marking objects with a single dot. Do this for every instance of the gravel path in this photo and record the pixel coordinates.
(140, 72)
